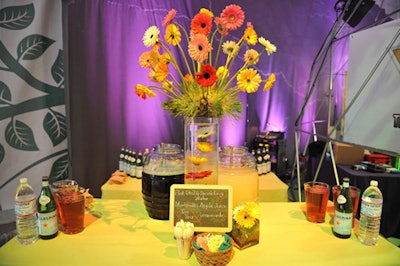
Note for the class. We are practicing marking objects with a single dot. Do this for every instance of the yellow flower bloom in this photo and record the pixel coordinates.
(206, 11)
(205, 146)
(197, 160)
(150, 37)
(270, 82)
(230, 48)
(172, 35)
(248, 80)
(247, 214)
(222, 72)
(251, 57)
(214, 242)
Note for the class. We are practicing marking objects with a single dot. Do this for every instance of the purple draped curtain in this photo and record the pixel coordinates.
(103, 41)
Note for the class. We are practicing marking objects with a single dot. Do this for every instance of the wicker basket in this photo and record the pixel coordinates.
(213, 258)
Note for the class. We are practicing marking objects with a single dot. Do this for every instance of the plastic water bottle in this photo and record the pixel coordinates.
(25, 212)
(370, 214)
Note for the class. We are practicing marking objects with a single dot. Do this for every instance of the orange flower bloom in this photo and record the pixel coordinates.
(143, 91)
(201, 24)
(159, 73)
(207, 77)
(149, 59)
(220, 26)
(250, 35)
(199, 47)
(232, 17)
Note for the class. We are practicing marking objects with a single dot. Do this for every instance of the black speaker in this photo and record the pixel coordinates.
(359, 14)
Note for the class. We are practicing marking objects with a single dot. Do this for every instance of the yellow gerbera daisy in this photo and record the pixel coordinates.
(222, 72)
(248, 80)
(197, 160)
(206, 11)
(230, 48)
(251, 57)
(270, 82)
(172, 35)
(205, 146)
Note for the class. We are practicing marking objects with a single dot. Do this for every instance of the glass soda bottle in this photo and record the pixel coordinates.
(25, 212)
(370, 214)
(47, 212)
(343, 217)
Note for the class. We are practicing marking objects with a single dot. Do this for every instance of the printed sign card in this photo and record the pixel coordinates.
(208, 207)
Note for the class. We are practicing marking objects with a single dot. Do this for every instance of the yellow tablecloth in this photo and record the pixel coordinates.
(125, 235)
(272, 189)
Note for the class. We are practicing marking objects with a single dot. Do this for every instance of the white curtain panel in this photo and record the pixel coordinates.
(33, 132)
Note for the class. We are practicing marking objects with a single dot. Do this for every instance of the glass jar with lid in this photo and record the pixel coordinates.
(163, 167)
(237, 168)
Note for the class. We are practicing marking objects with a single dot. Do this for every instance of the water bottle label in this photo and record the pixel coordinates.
(343, 223)
(139, 171)
(47, 223)
(23, 208)
(371, 207)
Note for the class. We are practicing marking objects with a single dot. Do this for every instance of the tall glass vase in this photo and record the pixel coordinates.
(201, 150)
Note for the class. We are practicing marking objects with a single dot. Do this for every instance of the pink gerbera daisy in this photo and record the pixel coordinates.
(169, 17)
(232, 17)
(199, 47)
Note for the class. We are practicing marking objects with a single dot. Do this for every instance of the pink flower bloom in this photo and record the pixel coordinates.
(232, 17)
(169, 17)
(199, 47)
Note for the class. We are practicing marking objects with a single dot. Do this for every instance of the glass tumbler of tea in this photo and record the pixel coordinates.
(70, 200)
(317, 194)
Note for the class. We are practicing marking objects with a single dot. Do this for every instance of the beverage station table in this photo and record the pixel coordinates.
(119, 232)
(271, 189)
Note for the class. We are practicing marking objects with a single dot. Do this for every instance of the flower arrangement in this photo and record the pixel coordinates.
(212, 242)
(246, 225)
(205, 85)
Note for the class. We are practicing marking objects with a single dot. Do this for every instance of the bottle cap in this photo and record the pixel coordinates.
(374, 183)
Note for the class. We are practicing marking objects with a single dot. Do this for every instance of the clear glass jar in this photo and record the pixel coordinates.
(163, 167)
(237, 168)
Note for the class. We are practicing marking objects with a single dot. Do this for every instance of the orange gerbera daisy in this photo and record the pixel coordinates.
(207, 77)
(142, 91)
(250, 35)
(199, 47)
(201, 24)
(232, 17)
(169, 17)
(220, 26)
(148, 59)
(159, 73)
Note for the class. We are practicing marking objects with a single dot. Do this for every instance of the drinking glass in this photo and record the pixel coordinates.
(70, 200)
(317, 194)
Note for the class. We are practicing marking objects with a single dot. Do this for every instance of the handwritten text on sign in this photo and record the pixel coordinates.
(208, 207)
